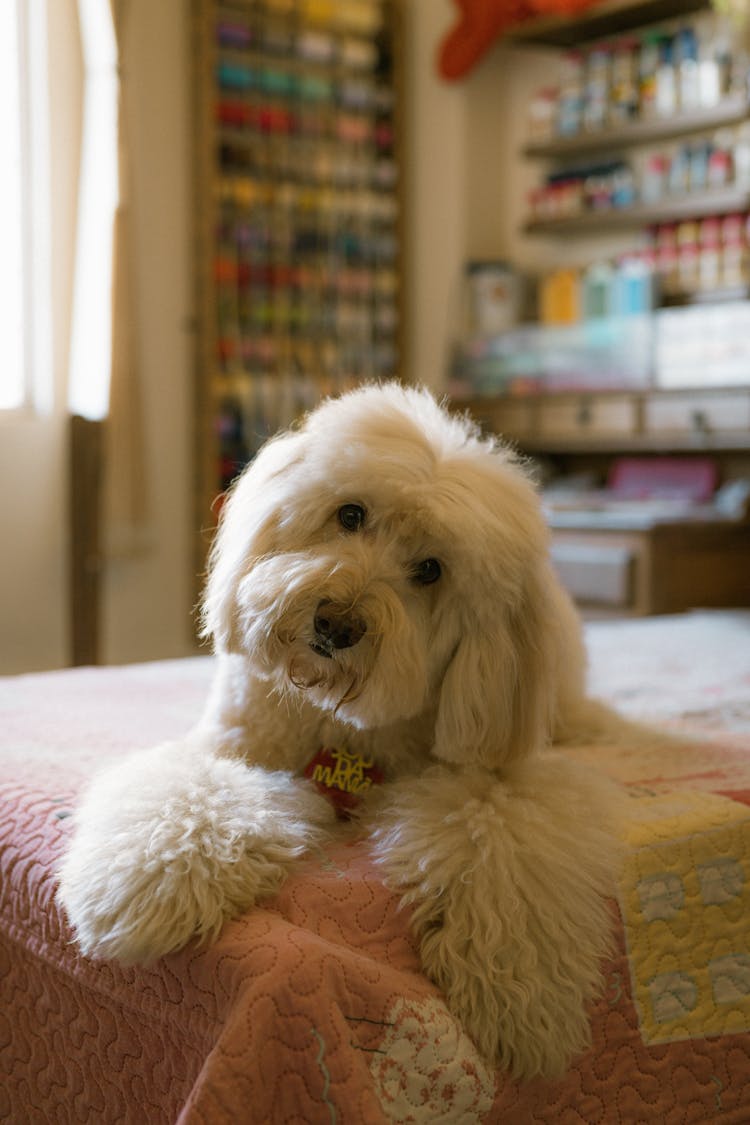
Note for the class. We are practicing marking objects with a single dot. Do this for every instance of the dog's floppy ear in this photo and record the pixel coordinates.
(497, 695)
(247, 526)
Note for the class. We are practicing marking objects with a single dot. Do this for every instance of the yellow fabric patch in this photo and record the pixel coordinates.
(685, 898)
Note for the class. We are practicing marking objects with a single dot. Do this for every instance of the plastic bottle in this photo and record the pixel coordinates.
(709, 79)
(648, 65)
(699, 153)
(598, 291)
(686, 59)
(560, 301)
(634, 285)
(570, 105)
(666, 80)
(623, 101)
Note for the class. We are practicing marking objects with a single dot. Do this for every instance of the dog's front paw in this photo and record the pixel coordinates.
(507, 880)
(171, 842)
(520, 996)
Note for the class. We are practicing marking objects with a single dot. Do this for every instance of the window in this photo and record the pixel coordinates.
(25, 373)
(12, 380)
(91, 342)
(26, 376)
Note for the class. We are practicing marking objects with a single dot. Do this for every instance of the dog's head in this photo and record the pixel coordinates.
(386, 561)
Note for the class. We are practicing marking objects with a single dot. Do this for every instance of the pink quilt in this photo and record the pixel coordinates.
(312, 1008)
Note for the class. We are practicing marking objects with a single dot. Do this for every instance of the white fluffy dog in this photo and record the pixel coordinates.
(390, 634)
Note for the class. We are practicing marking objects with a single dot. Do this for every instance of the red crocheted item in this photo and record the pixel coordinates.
(481, 22)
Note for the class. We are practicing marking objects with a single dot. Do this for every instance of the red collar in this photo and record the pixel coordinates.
(342, 777)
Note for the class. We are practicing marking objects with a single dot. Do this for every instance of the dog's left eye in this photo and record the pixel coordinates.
(426, 572)
(351, 516)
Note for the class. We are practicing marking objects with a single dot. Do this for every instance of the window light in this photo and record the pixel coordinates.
(91, 342)
(25, 372)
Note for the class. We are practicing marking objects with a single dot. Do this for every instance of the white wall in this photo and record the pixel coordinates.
(437, 176)
(498, 93)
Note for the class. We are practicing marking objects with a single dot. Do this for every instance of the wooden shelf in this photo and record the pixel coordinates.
(640, 432)
(729, 112)
(707, 297)
(716, 202)
(557, 415)
(609, 18)
(646, 443)
(269, 229)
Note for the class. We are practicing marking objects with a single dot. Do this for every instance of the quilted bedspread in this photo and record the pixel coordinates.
(312, 1008)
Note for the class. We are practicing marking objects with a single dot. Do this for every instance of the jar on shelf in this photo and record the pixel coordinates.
(666, 79)
(720, 170)
(666, 260)
(734, 252)
(654, 179)
(708, 71)
(698, 156)
(741, 155)
(688, 275)
(623, 187)
(709, 263)
(493, 291)
(543, 114)
(623, 97)
(648, 66)
(688, 75)
(569, 197)
(596, 94)
(570, 102)
(678, 178)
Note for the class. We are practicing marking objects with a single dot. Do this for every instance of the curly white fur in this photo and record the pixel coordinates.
(453, 684)
(512, 922)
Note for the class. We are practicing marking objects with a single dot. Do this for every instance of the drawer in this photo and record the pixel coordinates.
(512, 419)
(595, 574)
(697, 413)
(588, 416)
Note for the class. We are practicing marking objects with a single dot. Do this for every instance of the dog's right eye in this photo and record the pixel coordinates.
(351, 516)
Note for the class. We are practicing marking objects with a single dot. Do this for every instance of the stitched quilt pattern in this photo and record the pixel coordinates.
(312, 1007)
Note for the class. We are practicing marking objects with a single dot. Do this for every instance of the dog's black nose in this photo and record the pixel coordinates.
(337, 628)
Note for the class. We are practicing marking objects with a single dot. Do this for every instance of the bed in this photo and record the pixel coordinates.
(312, 1008)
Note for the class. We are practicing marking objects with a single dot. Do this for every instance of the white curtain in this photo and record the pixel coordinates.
(104, 381)
(126, 498)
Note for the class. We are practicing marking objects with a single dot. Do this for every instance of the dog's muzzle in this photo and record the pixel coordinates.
(335, 628)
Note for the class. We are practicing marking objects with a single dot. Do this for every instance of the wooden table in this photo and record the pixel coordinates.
(634, 567)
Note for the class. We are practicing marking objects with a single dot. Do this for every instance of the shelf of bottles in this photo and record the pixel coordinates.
(644, 129)
(306, 243)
